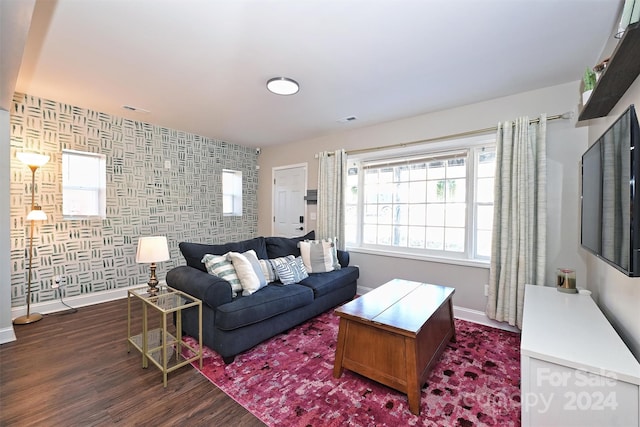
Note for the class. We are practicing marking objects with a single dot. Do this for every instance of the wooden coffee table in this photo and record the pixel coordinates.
(395, 333)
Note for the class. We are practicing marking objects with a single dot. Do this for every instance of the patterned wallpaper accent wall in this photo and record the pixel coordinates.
(183, 203)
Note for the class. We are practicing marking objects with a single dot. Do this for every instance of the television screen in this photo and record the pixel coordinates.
(609, 227)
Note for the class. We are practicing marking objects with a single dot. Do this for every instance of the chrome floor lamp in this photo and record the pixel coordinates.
(34, 161)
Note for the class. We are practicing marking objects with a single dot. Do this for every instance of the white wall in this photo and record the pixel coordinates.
(617, 295)
(566, 143)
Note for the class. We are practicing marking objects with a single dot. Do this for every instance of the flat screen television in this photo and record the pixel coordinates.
(610, 223)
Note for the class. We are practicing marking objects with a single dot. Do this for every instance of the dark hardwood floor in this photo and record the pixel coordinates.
(74, 370)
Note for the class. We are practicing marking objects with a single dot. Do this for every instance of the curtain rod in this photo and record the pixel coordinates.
(567, 115)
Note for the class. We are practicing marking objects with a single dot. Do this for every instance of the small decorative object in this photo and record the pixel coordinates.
(599, 69)
(151, 250)
(566, 280)
(588, 82)
(34, 161)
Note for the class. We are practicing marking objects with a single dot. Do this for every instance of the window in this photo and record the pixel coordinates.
(231, 192)
(83, 185)
(436, 203)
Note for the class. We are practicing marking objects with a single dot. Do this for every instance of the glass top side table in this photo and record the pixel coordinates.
(165, 350)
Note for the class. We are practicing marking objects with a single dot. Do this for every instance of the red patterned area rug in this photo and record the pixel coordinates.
(288, 381)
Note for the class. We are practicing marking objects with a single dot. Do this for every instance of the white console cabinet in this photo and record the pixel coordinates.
(575, 368)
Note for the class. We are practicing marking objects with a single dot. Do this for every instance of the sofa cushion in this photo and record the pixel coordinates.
(194, 252)
(325, 283)
(282, 246)
(248, 271)
(291, 271)
(221, 266)
(319, 256)
(264, 304)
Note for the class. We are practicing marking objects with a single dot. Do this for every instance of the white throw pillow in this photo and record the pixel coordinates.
(319, 256)
(220, 266)
(248, 270)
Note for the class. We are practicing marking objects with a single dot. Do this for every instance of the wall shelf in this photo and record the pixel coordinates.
(623, 69)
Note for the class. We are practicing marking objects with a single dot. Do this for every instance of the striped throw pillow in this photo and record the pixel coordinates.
(220, 266)
(319, 256)
(292, 271)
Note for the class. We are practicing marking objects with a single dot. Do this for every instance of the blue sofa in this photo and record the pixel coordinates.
(232, 325)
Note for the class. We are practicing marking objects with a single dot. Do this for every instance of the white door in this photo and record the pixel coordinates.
(289, 187)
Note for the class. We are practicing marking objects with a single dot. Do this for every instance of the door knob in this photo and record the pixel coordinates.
(301, 228)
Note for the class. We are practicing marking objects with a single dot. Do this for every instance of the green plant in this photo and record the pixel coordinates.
(589, 79)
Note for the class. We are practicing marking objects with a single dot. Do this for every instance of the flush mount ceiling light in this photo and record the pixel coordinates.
(283, 86)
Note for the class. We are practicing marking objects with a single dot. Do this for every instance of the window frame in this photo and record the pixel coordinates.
(99, 191)
(474, 146)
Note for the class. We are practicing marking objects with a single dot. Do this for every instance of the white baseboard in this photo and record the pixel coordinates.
(75, 302)
(467, 314)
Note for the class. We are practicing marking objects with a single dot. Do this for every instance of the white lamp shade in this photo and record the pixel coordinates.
(32, 159)
(152, 249)
(37, 214)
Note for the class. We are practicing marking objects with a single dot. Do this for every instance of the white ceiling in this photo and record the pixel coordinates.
(202, 65)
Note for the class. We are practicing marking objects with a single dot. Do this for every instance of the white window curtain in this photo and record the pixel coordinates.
(519, 219)
(332, 168)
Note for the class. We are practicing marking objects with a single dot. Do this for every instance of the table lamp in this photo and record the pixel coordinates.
(152, 250)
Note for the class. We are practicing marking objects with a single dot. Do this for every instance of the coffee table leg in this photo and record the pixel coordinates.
(413, 382)
(342, 337)
(453, 325)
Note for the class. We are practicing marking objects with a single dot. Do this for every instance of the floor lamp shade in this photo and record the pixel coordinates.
(150, 251)
(32, 159)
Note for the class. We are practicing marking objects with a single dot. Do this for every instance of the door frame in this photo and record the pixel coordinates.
(273, 194)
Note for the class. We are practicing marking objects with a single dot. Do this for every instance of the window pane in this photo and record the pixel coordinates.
(402, 173)
(456, 215)
(436, 170)
(417, 214)
(416, 237)
(435, 238)
(385, 234)
(402, 194)
(454, 239)
(370, 214)
(400, 236)
(418, 172)
(385, 193)
(371, 193)
(384, 214)
(484, 190)
(80, 202)
(418, 192)
(435, 191)
(370, 234)
(487, 164)
(401, 214)
(485, 217)
(456, 190)
(456, 168)
(435, 214)
(483, 243)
